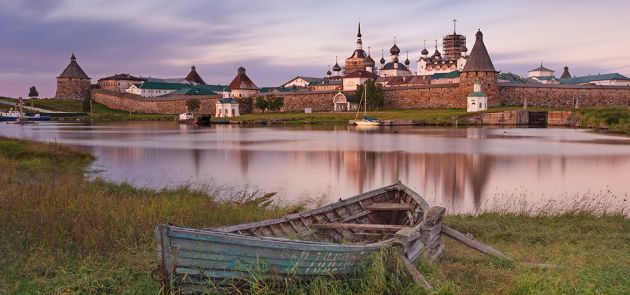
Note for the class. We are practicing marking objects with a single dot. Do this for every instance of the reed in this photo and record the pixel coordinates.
(616, 120)
(63, 234)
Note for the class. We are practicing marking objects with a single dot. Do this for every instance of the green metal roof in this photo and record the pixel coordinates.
(545, 78)
(195, 90)
(593, 78)
(163, 86)
(450, 75)
(477, 94)
(512, 78)
(267, 89)
(215, 88)
(227, 100)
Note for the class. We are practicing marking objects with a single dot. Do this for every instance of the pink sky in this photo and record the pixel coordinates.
(277, 40)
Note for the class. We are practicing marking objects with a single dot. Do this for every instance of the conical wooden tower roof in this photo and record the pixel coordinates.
(242, 81)
(479, 59)
(193, 76)
(73, 70)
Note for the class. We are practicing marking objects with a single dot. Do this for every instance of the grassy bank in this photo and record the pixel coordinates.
(616, 120)
(99, 112)
(424, 116)
(61, 234)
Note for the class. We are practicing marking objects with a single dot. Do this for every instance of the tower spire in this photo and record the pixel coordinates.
(359, 42)
(454, 26)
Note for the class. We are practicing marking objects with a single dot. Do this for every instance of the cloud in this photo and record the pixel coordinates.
(278, 39)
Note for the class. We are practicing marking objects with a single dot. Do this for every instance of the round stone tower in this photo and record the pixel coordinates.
(479, 67)
(73, 82)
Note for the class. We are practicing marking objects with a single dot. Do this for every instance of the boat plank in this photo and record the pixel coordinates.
(235, 253)
(360, 226)
(474, 244)
(390, 207)
(272, 243)
(288, 267)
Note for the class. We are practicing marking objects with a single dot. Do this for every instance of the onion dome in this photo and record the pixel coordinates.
(437, 54)
(382, 58)
(394, 50)
(336, 67)
(424, 52)
(329, 73)
(369, 61)
(407, 62)
(241, 70)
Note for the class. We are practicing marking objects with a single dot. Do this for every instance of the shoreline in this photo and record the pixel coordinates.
(96, 237)
(608, 120)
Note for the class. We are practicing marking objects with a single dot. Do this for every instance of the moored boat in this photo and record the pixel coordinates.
(189, 118)
(332, 240)
(366, 121)
(13, 115)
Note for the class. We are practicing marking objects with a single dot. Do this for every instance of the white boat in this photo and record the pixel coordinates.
(366, 121)
(13, 115)
(186, 118)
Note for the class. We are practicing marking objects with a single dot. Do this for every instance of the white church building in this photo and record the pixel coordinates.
(477, 100)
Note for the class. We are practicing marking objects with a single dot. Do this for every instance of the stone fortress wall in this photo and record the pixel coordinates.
(563, 96)
(175, 104)
(454, 96)
(427, 96)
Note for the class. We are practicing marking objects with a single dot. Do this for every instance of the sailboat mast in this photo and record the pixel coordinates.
(365, 99)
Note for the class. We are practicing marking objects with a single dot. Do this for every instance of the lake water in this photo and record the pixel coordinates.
(463, 169)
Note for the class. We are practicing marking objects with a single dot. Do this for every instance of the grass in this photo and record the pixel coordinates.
(62, 234)
(99, 112)
(425, 116)
(103, 113)
(616, 120)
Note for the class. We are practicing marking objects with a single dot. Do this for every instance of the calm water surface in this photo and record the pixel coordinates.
(464, 169)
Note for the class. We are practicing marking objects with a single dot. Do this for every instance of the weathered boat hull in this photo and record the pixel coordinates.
(193, 255)
(297, 244)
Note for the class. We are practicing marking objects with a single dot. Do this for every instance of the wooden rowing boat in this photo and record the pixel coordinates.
(332, 240)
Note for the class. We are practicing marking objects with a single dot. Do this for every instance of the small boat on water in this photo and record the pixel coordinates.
(189, 118)
(13, 115)
(366, 121)
(332, 240)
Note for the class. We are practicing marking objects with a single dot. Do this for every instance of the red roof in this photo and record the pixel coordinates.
(242, 82)
(193, 76)
(361, 74)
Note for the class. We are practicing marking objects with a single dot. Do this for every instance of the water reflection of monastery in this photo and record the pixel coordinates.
(462, 180)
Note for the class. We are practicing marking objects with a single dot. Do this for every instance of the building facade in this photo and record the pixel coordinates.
(477, 101)
(118, 83)
(227, 107)
(543, 75)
